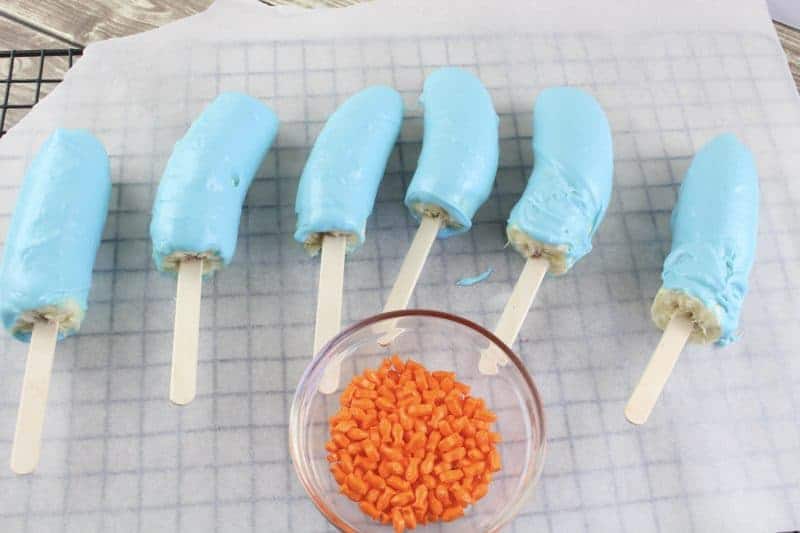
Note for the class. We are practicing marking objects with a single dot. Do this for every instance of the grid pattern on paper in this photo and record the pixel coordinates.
(722, 450)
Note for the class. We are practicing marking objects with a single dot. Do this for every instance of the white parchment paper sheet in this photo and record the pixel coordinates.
(722, 450)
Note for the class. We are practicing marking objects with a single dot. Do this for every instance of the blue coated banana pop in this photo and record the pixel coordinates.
(460, 150)
(568, 193)
(54, 235)
(199, 201)
(714, 229)
(340, 180)
(197, 210)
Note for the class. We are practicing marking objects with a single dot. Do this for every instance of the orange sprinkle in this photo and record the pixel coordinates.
(409, 517)
(397, 363)
(370, 450)
(384, 403)
(494, 461)
(366, 393)
(421, 497)
(398, 483)
(416, 442)
(443, 494)
(412, 446)
(397, 433)
(398, 522)
(474, 469)
(393, 454)
(454, 455)
(451, 513)
(423, 409)
(363, 383)
(475, 454)
(435, 505)
(426, 466)
(395, 468)
(364, 463)
(412, 472)
(405, 421)
(385, 429)
(383, 499)
(338, 474)
(375, 480)
(485, 416)
(340, 440)
(345, 461)
(480, 491)
(372, 375)
(369, 509)
(353, 448)
(468, 482)
(448, 443)
(357, 484)
(461, 494)
(453, 406)
(444, 428)
(347, 396)
(402, 498)
(448, 476)
(372, 495)
(350, 493)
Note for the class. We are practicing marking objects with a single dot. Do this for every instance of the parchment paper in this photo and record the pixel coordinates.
(720, 453)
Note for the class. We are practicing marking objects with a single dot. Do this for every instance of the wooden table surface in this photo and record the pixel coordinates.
(34, 24)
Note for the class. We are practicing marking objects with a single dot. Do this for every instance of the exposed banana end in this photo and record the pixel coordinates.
(668, 302)
(528, 247)
(434, 211)
(211, 261)
(68, 314)
(313, 244)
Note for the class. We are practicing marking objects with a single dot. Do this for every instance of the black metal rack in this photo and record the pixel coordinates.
(9, 80)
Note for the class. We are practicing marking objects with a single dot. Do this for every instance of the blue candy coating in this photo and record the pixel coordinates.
(714, 230)
(54, 234)
(568, 192)
(340, 180)
(460, 149)
(199, 200)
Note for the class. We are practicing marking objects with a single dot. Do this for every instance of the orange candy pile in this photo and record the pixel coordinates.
(412, 446)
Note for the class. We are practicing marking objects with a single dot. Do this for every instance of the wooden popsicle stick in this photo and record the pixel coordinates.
(33, 399)
(517, 307)
(412, 265)
(329, 293)
(185, 340)
(658, 369)
(329, 304)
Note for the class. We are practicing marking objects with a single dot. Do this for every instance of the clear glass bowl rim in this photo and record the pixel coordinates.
(301, 394)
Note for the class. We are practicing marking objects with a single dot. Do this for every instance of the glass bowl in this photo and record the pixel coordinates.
(439, 341)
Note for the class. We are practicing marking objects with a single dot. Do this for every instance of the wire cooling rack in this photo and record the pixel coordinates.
(29, 76)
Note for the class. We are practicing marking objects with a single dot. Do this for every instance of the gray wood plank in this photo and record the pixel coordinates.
(16, 36)
(313, 3)
(85, 21)
(790, 39)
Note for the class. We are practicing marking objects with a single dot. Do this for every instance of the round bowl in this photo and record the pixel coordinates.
(439, 341)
